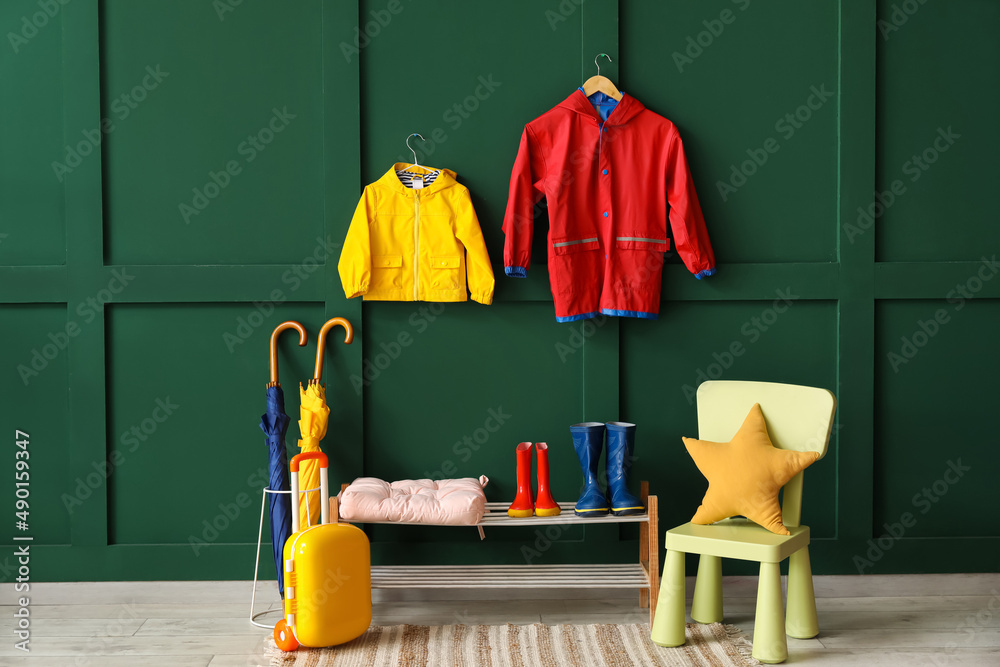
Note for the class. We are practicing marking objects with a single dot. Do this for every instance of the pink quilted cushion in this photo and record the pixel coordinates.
(451, 502)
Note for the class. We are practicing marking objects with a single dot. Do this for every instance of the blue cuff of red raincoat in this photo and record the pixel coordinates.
(705, 274)
(516, 271)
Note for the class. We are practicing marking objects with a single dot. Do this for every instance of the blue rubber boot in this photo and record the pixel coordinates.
(588, 440)
(621, 444)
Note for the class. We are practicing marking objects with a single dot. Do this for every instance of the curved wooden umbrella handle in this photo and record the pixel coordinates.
(321, 344)
(274, 347)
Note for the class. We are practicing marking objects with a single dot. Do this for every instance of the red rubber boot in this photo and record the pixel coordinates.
(523, 504)
(544, 504)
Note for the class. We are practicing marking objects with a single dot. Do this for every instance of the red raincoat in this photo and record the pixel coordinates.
(611, 181)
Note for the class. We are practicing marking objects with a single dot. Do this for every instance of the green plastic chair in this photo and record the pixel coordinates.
(798, 418)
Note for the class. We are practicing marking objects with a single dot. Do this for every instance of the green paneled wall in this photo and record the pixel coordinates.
(187, 432)
(31, 139)
(729, 99)
(936, 121)
(941, 469)
(217, 153)
(42, 404)
(142, 268)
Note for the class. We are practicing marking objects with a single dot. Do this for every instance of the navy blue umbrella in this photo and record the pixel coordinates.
(274, 423)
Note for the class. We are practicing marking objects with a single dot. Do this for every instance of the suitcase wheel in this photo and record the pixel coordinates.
(283, 636)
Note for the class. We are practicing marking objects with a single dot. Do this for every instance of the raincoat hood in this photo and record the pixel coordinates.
(445, 179)
(621, 112)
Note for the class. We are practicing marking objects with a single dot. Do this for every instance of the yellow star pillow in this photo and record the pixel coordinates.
(745, 474)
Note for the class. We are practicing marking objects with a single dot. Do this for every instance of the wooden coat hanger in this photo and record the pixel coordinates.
(601, 84)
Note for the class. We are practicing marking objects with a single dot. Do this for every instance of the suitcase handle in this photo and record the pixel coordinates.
(324, 462)
(324, 486)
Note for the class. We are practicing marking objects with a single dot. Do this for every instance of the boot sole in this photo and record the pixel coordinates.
(542, 511)
(590, 512)
(628, 511)
(519, 514)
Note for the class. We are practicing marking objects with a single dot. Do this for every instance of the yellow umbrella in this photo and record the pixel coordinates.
(313, 418)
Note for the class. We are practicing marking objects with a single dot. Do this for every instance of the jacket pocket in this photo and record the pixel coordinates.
(639, 242)
(639, 263)
(566, 246)
(387, 272)
(445, 272)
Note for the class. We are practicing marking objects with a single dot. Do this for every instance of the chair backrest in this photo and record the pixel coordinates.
(798, 418)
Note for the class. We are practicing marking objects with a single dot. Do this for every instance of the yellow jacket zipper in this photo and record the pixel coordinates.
(416, 245)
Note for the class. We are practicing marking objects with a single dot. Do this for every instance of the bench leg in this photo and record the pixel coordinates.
(654, 556)
(644, 533)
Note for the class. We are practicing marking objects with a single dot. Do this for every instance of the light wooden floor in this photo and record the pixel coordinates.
(912, 620)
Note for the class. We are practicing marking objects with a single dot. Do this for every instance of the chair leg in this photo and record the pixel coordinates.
(769, 644)
(668, 623)
(800, 617)
(707, 604)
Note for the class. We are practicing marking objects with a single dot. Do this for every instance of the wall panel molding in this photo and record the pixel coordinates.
(790, 229)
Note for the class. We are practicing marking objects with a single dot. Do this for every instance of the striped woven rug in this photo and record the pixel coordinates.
(714, 645)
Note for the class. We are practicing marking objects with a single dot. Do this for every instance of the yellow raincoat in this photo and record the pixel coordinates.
(406, 243)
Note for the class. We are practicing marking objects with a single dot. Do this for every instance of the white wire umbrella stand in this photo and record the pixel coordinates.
(256, 567)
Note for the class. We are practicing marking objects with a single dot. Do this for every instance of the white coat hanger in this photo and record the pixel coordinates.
(601, 84)
(415, 163)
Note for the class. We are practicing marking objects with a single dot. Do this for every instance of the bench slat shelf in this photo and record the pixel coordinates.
(643, 575)
(521, 576)
(496, 515)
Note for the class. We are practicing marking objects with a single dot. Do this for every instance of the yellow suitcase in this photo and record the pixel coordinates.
(328, 591)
